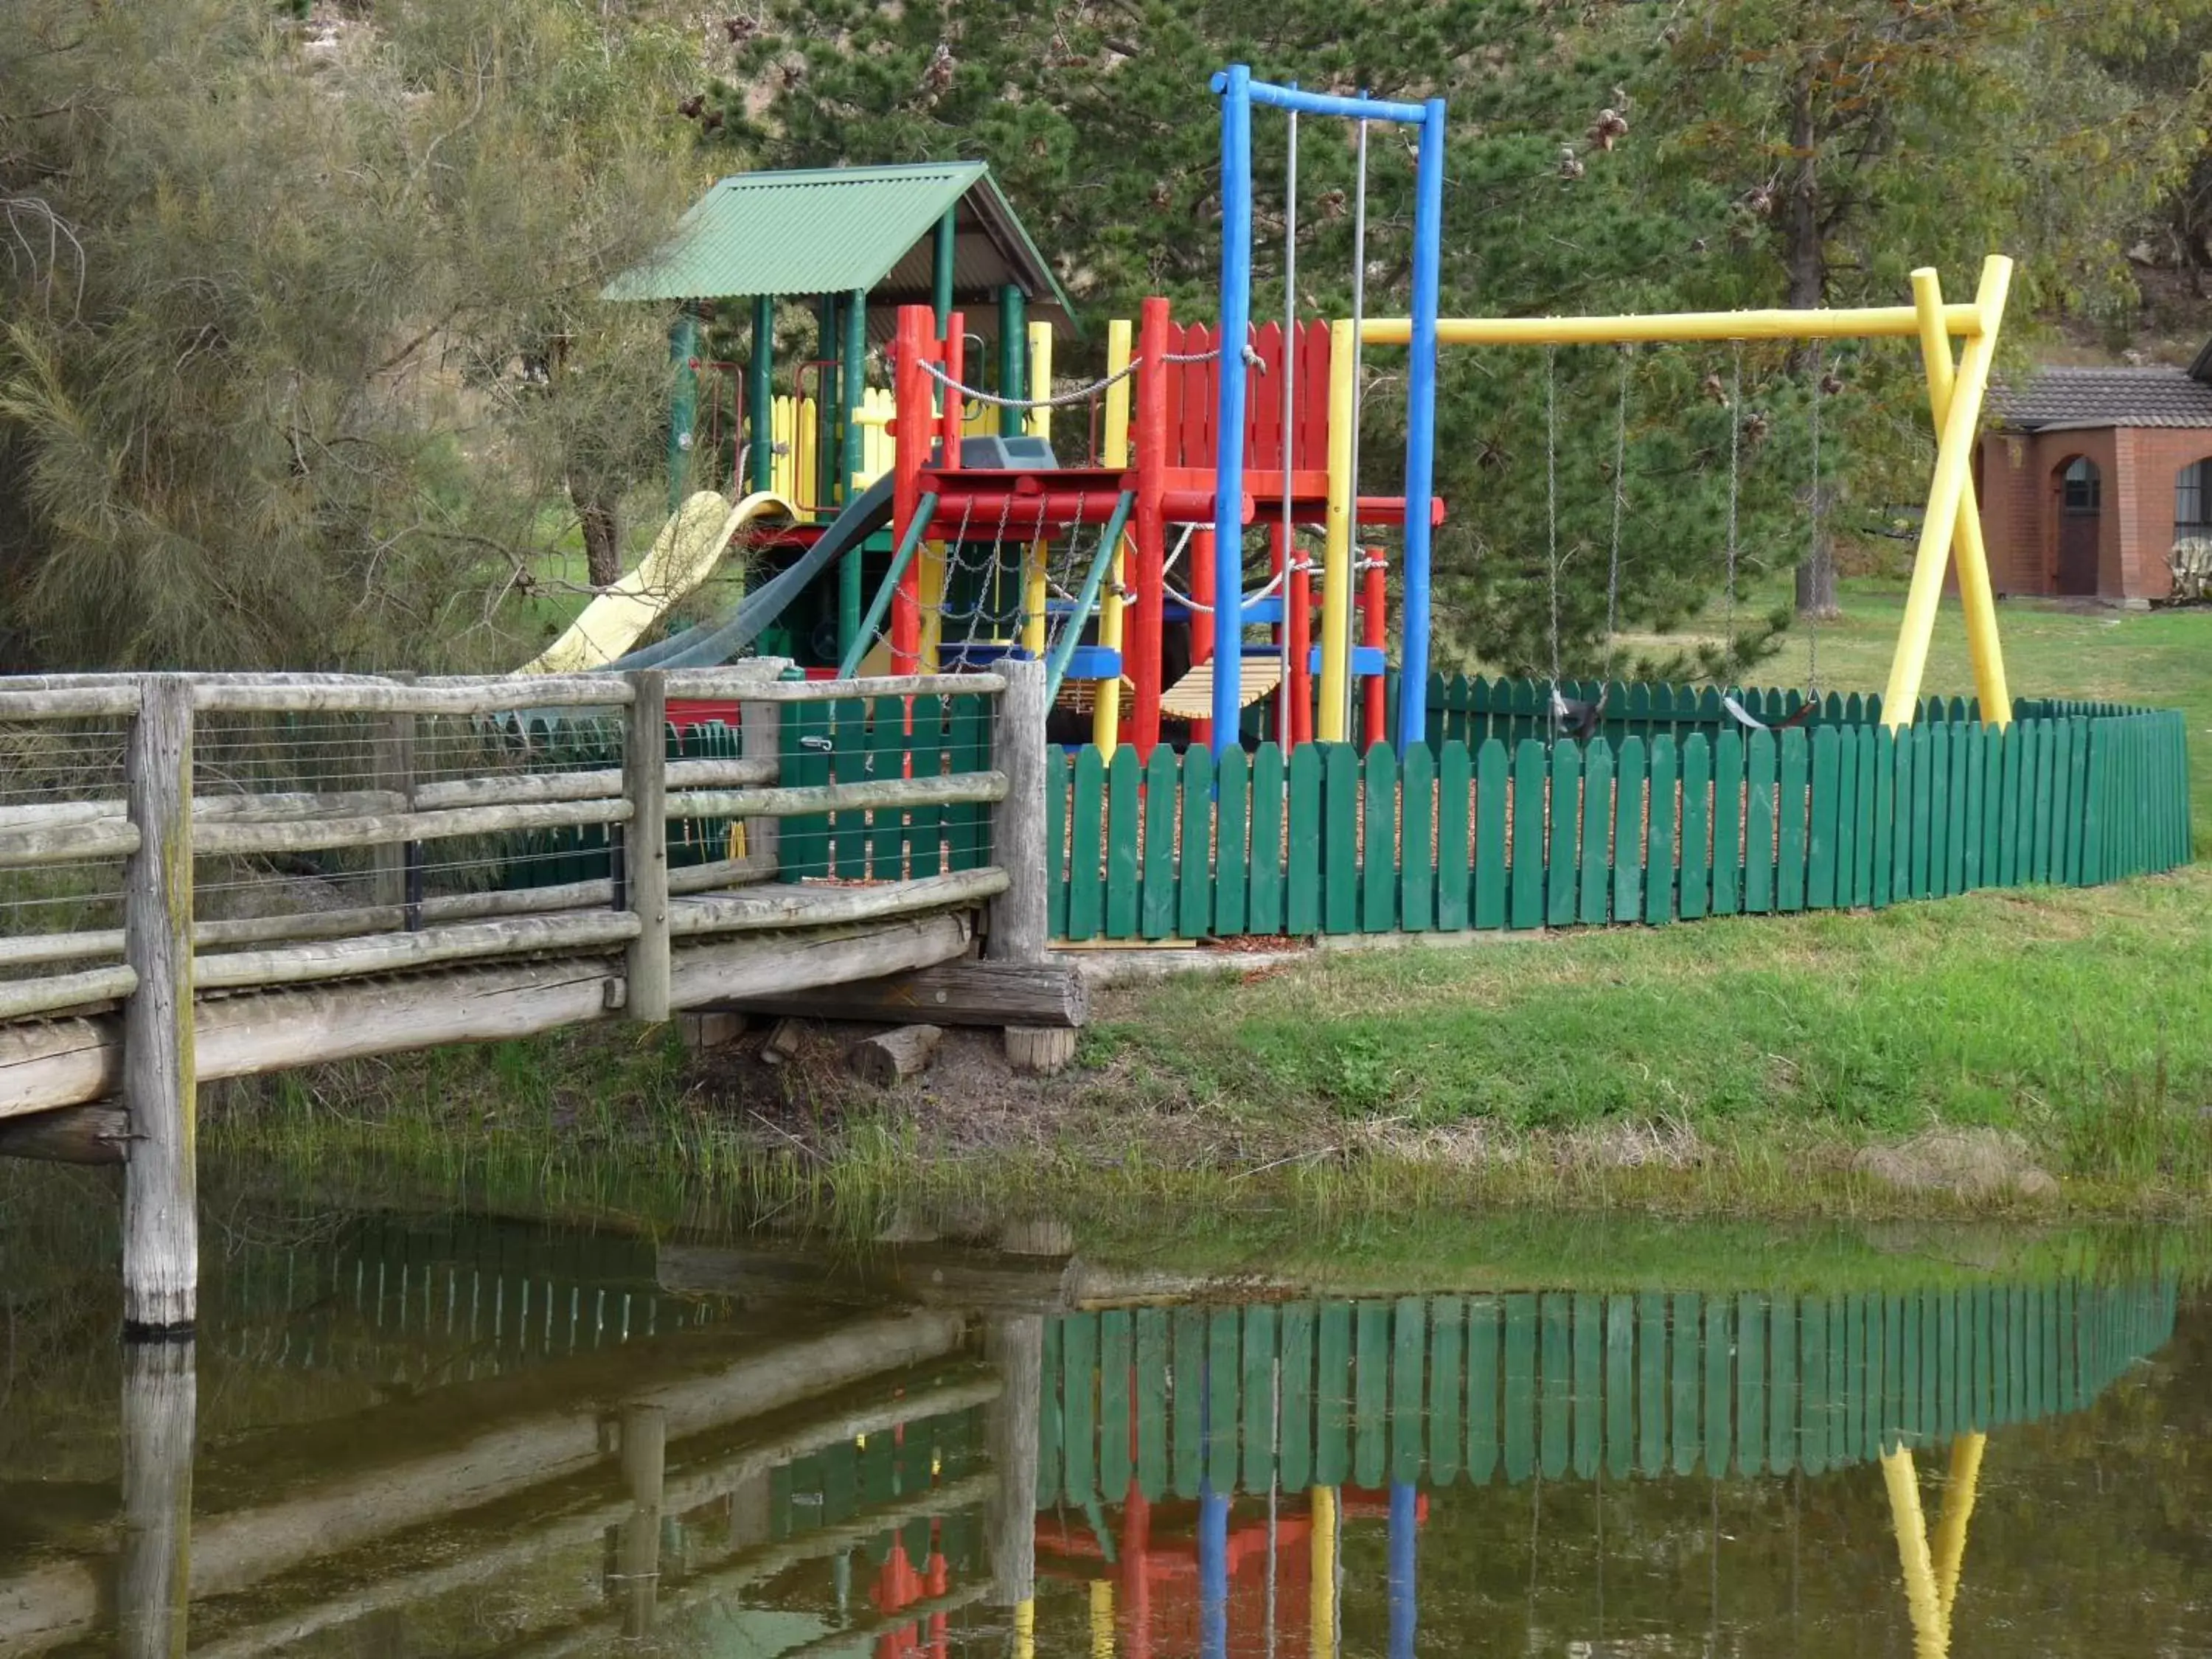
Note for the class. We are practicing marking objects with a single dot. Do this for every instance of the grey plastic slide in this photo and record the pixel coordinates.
(711, 644)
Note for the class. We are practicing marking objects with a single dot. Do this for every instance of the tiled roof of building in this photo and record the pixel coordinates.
(2058, 398)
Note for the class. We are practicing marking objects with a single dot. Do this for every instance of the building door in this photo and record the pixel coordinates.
(2081, 515)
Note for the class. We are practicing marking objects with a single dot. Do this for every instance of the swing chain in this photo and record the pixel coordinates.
(1817, 552)
(1620, 509)
(1736, 474)
(1552, 505)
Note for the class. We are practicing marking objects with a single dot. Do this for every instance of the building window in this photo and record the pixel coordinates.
(2082, 489)
(2193, 497)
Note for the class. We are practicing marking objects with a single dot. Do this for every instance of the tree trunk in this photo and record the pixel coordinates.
(596, 508)
(1816, 587)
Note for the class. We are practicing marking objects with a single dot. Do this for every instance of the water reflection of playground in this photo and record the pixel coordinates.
(759, 1475)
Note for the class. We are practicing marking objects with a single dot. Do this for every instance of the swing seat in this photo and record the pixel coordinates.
(1191, 697)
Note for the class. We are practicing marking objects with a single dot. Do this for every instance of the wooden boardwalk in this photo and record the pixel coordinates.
(405, 801)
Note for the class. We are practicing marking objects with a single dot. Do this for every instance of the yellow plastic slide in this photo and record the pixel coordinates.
(682, 556)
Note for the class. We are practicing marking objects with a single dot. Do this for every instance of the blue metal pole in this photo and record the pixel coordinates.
(1405, 1536)
(1235, 86)
(1213, 1571)
(1421, 430)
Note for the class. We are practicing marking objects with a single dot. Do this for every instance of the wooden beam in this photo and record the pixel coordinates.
(75, 1134)
(746, 685)
(70, 844)
(369, 830)
(805, 906)
(949, 789)
(28, 949)
(68, 1062)
(967, 993)
(20, 998)
(283, 695)
(385, 953)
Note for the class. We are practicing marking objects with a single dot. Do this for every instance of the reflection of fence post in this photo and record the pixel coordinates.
(760, 738)
(160, 1221)
(644, 1466)
(645, 845)
(1016, 1347)
(1020, 917)
(153, 1587)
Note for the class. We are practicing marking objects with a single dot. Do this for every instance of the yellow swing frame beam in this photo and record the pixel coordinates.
(1951, 528)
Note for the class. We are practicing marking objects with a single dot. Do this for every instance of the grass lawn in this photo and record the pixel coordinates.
(2079, 1022)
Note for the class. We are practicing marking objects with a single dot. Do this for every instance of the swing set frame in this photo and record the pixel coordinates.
(1951, 528)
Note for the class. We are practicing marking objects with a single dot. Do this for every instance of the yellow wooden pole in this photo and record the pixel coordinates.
(1959, 1483)
(1336, 543)
(1977, 596)
(1321, 1632)
(1106, 712)
(1946, 492)
(1863, 322)
(1026, 1628)
(1101, 1619)
(1037, 424)
(1930, 1640)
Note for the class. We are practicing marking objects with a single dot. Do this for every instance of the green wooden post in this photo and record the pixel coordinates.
(1697, 826)
(940, 283)
(1560, 859)
(1296, 1337)
(1333, 1391)
(1116, 1359)
(1527, 876)
(1121, 836)
(760, 392)
(1589, 1353)
(1519, 1427)
(1619, 1386)
(1228, 880)
(1481, 1390)
(1370, 1374)
(1659, 858)
(1454, 825)
(1264, 914)
(1189, 1398)
(1259, 1400)
(1151, 1339)
(1157, 909)
(1013, 358)
(1446, 1407)
(1555, 1388)
(682, 400)
(852, 386)
(1408, 1379)
(1418, 891)
(826, 402)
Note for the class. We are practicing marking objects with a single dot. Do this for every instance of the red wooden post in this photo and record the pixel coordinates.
(1141, 638)
(915, 419)
(1298, 615)
(1200, 568)
(1371, 602)
(956, 363)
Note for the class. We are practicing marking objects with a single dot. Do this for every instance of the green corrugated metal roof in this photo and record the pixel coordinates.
(827, 230)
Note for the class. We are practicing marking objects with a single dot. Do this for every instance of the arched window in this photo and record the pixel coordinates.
(2081, 489)
(2193, 499)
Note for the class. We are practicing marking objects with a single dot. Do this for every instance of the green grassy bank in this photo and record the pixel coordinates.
(2033, 1051)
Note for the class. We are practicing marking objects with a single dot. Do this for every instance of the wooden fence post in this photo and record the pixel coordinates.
(161, 1220)
(645, 845)
(760, 738)
(391, 862)
(1015, 1346)
(153, 1587)
(1020, 917)
(644, 1466)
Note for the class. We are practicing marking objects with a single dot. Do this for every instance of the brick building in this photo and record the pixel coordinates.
(2096, 481)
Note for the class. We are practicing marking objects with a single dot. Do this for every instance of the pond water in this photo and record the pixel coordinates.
(409, 1431)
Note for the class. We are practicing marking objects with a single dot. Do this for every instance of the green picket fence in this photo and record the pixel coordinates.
(857, 739)
(1632, 830)
(1448, 1387)
(1472, 709)
(846, 1481)
(843, 742)
(548, 858)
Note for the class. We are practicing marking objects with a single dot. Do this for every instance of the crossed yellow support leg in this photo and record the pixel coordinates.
(1954, 522)
(1931, 1575)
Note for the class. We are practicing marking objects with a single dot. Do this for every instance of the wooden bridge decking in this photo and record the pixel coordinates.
(105, 1032)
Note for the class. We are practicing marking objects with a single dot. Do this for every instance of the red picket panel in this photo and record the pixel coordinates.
(1263, 400)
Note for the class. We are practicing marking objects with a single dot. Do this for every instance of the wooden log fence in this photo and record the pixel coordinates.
(659, 841)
